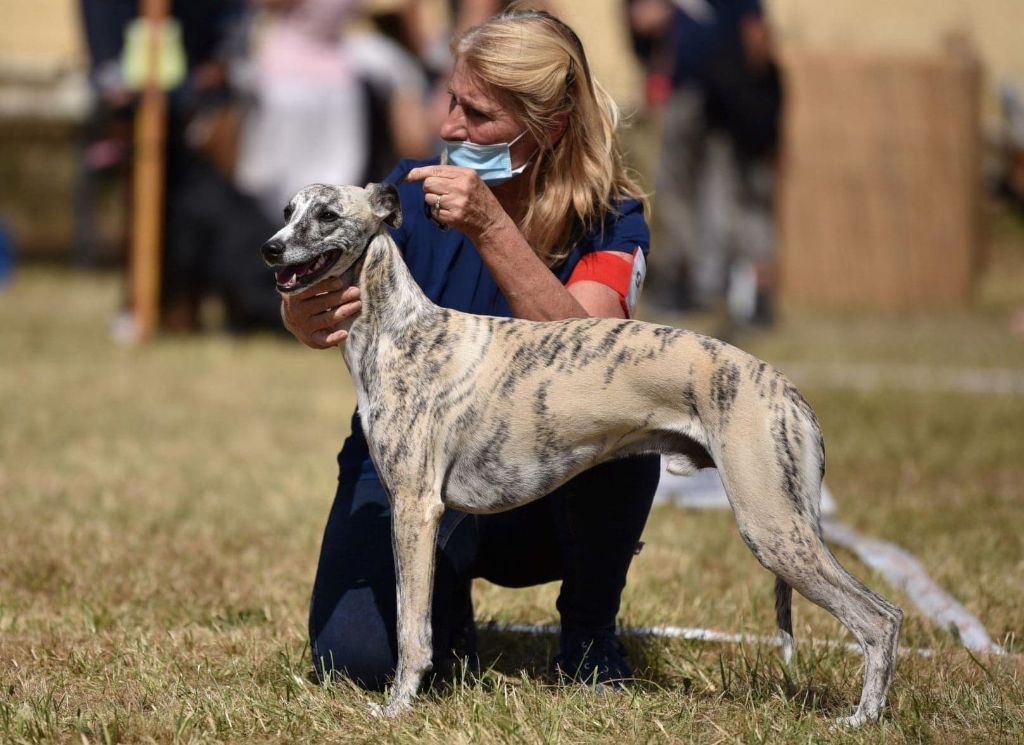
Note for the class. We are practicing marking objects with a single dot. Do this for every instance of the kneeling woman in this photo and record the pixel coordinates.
(531, 214)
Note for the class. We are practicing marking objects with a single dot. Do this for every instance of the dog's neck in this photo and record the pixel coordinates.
(390, 297)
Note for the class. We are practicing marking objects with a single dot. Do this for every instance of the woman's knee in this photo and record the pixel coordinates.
(352, 609)
(349, 654)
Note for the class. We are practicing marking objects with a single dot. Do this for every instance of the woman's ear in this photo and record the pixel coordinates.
(556, 132)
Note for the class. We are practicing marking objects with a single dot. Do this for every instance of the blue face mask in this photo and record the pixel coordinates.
(492, 162)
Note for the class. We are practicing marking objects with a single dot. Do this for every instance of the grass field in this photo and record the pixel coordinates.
(160, 510)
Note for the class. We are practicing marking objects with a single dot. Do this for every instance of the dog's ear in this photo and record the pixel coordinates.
(384, 203)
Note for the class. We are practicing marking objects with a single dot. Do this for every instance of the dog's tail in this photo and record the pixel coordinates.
(784, 617)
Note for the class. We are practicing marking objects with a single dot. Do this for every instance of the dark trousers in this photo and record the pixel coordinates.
(585, 533)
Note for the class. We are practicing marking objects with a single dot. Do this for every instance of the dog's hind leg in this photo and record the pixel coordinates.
(782, 531)
(414, 523)
(808, 566)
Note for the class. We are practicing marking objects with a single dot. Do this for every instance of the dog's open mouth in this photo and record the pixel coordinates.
(298, 276)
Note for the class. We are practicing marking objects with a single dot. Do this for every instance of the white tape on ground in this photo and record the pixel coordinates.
(704, 490)
(919, 378)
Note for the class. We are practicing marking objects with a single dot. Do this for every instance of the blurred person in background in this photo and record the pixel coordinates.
(423, 39)
(107, 136)
(1011, 179)
(532, 215)
(308, 120)
(384, 55)
(209, 227)
(6, 253)
(1010, 183)
(712, 64)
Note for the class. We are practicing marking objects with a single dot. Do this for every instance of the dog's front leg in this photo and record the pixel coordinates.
(415, 519)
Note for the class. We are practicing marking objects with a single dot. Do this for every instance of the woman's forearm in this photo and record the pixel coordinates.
(532, 291)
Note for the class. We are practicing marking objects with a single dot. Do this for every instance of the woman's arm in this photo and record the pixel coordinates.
(532, 291)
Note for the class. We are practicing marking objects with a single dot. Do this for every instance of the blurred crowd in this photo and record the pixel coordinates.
(275, 94)
(272, 95)
(711, 67)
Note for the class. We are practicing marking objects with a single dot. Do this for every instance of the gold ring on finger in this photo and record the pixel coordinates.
(437, 203)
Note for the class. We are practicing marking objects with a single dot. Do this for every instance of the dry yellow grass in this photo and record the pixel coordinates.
(160, 511)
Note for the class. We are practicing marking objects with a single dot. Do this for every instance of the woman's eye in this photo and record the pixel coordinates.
(469, 111)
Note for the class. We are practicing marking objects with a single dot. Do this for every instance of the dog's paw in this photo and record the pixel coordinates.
(856, 719)
(390, 710)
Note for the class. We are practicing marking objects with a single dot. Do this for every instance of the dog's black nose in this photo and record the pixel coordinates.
(272, 250)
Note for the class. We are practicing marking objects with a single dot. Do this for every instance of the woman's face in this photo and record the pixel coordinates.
(475, 116)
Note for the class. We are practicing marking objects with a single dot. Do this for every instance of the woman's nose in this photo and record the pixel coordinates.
(454, 125)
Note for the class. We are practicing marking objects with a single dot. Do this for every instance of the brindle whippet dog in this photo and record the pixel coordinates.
(486, 414)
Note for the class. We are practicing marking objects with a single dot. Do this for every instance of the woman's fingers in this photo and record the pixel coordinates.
(334, 315)
(335, 338)
(315, 316)
(349, 294)
(437, 172)
(457, 198)
(444, 181)
(328, 285)
(447, 201)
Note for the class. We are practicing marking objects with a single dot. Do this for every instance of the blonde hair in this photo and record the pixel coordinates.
(535, 65)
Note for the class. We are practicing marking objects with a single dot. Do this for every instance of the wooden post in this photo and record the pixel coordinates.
(881, 201)
(148, 182)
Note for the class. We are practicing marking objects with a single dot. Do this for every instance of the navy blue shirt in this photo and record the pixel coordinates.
(451, 272)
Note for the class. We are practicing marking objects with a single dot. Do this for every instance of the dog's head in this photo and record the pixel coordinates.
(328, 228)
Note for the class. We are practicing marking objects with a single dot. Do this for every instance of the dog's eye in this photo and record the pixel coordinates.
(288, 212)
(328, 216)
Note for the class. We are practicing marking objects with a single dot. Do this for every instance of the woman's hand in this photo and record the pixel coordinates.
(458, 198)
(318, 316)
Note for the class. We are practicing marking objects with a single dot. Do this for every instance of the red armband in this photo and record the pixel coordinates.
(616, 270)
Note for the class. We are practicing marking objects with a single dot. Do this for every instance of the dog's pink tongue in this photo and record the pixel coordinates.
(287, 277)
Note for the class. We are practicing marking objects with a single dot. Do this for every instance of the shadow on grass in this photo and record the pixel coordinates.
(750, 675)
(818, 684)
